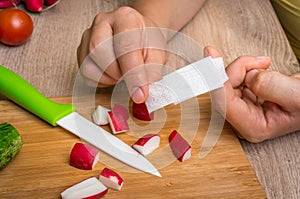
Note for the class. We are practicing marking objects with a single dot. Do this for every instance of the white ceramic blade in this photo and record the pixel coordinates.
(106, 142)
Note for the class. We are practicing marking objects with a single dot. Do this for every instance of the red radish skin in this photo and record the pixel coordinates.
(140, 112)
(111, 179)
(9, 3)
(120, 109)
(84, 156)
(147, 144)
(180, 147)
(117, 123)
(100, 115)
(34, 5)
(90, 188)
(49, 2)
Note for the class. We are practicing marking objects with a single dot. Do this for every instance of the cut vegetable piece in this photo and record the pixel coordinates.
(90, 188)
(117, 123)
(84, 156)
(120, 109)
(10, 144)
(140, 112)
(147, 144)
(111, 179)
(100, 116)
(180, 147)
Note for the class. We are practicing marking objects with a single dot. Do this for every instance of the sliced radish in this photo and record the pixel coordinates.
(180, 147)
(140, 112)
(117, 123)
(119, 109)
(146, 144)
(100, 116)
(84, 156)
(90, 188)
(111, 179)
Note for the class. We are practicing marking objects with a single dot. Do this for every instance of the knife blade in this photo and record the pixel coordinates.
(24, 94)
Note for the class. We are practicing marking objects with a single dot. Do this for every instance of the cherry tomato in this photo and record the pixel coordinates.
(16, 26)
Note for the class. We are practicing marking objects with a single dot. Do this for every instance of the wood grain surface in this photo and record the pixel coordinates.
(42, 170)
(234, 27)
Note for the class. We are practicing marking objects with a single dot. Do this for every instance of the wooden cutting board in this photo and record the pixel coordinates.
(42, 170)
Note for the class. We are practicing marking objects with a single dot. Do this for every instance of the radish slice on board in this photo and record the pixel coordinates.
(90, 188)
(146, 144)
(121, 110)
(84, 156)
(180, 147)
(140, 112)
(117, 123)
(111, 179)
(100, 116)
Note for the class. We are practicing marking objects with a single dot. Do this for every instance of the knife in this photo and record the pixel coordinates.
(24, 94)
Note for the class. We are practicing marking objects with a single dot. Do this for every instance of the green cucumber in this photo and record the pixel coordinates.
(10, 143)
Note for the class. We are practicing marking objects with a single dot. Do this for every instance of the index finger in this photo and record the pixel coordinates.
(237, 70)
(128, 46)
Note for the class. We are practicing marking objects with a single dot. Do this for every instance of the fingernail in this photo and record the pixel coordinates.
(138, 96)
(250, 75)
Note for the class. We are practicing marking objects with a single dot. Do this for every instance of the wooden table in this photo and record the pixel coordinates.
(234, 27)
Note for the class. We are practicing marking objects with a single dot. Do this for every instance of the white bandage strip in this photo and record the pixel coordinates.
(190, 81)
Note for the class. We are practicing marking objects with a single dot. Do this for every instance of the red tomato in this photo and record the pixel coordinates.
(16, 26)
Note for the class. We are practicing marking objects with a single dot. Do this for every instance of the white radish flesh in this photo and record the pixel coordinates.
(100, 115)
(180, 147)
(111, 179)
(84, 156)
(90, 188)
(147, 144)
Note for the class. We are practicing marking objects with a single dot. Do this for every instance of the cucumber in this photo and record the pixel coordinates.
(10, 143)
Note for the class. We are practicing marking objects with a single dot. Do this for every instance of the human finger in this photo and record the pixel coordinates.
(211, 51)
(93, 70)
(154, 62)
(275, 87)
(128, 45)
(237, 70)
(83, 48)
(101, 46)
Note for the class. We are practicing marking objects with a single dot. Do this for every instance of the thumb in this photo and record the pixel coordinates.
(274, 87)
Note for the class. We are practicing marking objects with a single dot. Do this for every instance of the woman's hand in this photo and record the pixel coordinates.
(120, 45)
(129, 43)
(260, 104)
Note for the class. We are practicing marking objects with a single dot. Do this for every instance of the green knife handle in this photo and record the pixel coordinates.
(24, 94)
